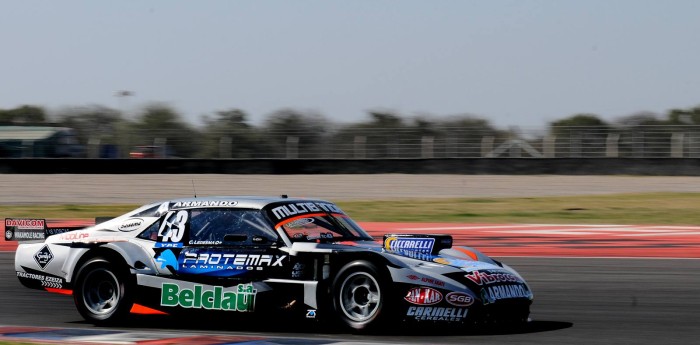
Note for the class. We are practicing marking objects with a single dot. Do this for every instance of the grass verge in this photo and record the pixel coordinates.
(648, 208)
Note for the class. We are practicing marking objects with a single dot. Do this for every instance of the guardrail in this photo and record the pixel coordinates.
(481, 166)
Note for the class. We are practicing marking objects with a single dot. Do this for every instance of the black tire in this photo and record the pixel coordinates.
(103, 292)
(359, 296)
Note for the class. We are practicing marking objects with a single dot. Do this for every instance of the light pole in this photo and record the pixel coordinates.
(124, 141)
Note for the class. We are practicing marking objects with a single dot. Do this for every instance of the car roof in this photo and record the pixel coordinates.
(255, 202)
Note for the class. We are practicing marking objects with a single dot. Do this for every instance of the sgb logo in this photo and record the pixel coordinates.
(173, 228)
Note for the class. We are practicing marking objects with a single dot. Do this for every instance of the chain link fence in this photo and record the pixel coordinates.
(388, 143)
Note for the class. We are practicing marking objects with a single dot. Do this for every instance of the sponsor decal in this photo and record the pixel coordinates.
(46, 281)
(28, 235)
(459, 299)
(25, 224)
(299, 208)
(72, 236)
(414, 254)
(426, 280)
(226, 264)
(167, 258)
(491, 294)
(485, 278)
(423, 296)
(24, 229)
(311, 314)
(437, 313)
(240, 298)
(168, 245)
(409, 243)
(189, 204)
(131, 224)
(43, 256)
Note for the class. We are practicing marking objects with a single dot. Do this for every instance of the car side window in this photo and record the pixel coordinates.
(151, 233)
(230, 227)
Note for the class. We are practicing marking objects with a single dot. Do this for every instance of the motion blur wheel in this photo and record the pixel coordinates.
(102, 292)
(359, 299)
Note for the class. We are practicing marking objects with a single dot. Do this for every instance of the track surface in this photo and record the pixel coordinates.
(577, 301)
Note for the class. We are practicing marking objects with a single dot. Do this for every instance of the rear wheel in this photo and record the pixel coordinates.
(102, 292)
(359, 296)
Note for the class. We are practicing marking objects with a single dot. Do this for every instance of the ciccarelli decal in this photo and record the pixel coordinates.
(131, 224)
(459, 299)
(409, 243)
(43, 256)
(423, 296)
(240, 298)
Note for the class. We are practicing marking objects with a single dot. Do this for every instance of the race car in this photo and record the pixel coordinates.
(302, 258)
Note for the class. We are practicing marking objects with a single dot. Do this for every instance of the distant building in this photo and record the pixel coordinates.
(38, 141)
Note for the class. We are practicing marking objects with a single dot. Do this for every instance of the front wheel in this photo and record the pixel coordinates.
(359, 296)
(102, 292)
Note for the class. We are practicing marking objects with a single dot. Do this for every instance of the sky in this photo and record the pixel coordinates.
(515, 63)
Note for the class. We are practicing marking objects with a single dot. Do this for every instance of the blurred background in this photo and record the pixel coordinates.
(160, 131)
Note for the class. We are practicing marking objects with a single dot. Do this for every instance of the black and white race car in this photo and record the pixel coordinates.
(236, 255)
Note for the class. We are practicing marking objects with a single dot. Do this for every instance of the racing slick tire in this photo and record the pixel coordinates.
(359, 296)
(103, 292)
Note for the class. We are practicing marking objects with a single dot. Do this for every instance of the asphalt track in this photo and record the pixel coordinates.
(577, 301)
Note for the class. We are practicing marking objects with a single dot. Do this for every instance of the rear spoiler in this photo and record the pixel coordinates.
(32, 229)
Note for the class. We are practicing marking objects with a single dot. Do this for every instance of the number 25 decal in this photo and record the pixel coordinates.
(173, 228)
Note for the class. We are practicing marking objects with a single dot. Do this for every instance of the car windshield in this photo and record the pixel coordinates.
(320, 222)
(323, 227)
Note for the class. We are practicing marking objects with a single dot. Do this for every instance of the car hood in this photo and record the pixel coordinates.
(460, 257)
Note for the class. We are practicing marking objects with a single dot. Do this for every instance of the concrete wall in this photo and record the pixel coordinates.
(507, 166)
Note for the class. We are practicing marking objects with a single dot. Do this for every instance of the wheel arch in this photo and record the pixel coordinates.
(343, 258)
(109, 254)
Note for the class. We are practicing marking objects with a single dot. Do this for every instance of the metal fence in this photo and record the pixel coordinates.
(382, 143)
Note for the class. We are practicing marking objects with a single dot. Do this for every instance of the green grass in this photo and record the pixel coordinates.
(649, 208)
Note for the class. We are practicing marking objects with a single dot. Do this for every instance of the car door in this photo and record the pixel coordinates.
(232, 244)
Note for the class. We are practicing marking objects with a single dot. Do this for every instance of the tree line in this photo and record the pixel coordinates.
(230, 133)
